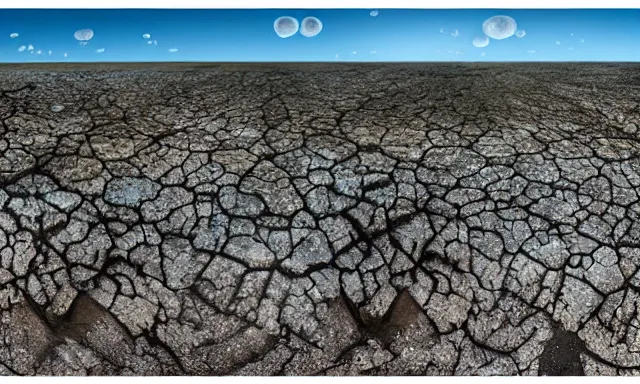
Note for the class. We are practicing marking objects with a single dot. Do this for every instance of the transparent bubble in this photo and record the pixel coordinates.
(14, 35)
(57, 108)
(83, 34)
(499, 27)
(286, 26)
(480, 41)
(373, 13)
(146, 36)
(521, 33)
(311, 26)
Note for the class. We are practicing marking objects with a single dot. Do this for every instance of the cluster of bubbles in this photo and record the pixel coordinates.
(84, 35)
(287, 26)
(147, 37)
(498, 28)
(30, 48)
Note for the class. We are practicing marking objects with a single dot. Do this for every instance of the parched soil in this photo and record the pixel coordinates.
(320, 219)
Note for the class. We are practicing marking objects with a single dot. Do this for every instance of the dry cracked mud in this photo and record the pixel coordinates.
(391, 219)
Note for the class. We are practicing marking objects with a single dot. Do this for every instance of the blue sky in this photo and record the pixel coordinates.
(347, 35)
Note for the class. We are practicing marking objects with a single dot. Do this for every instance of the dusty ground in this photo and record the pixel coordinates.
(429, 219)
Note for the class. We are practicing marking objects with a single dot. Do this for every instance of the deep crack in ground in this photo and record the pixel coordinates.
(391, 219)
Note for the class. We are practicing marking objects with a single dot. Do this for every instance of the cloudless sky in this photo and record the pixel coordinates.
(347, 35)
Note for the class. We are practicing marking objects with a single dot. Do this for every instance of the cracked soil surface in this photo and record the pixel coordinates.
(392, 219)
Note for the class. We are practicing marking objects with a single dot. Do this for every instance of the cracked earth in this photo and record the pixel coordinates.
(427, 219)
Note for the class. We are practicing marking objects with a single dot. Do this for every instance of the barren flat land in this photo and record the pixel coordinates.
(320, 219)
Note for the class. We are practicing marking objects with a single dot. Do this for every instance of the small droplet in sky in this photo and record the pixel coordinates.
(373, 13)
(499, 27)
(480, 41)
(83, 35)
(521, 33)
(286, 26)
(311, 26)
(22, 48)
(173, 50)
(100, 50)
(14, 35)
(146, 36)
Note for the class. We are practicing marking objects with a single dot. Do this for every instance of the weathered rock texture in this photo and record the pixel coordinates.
(320, 219)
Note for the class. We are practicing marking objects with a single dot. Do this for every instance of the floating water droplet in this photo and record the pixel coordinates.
(481, 42)
(499, 27)
(311, 26)
(286, 26)
(83, 35)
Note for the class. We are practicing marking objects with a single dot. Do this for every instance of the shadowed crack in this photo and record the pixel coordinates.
(561, 356)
